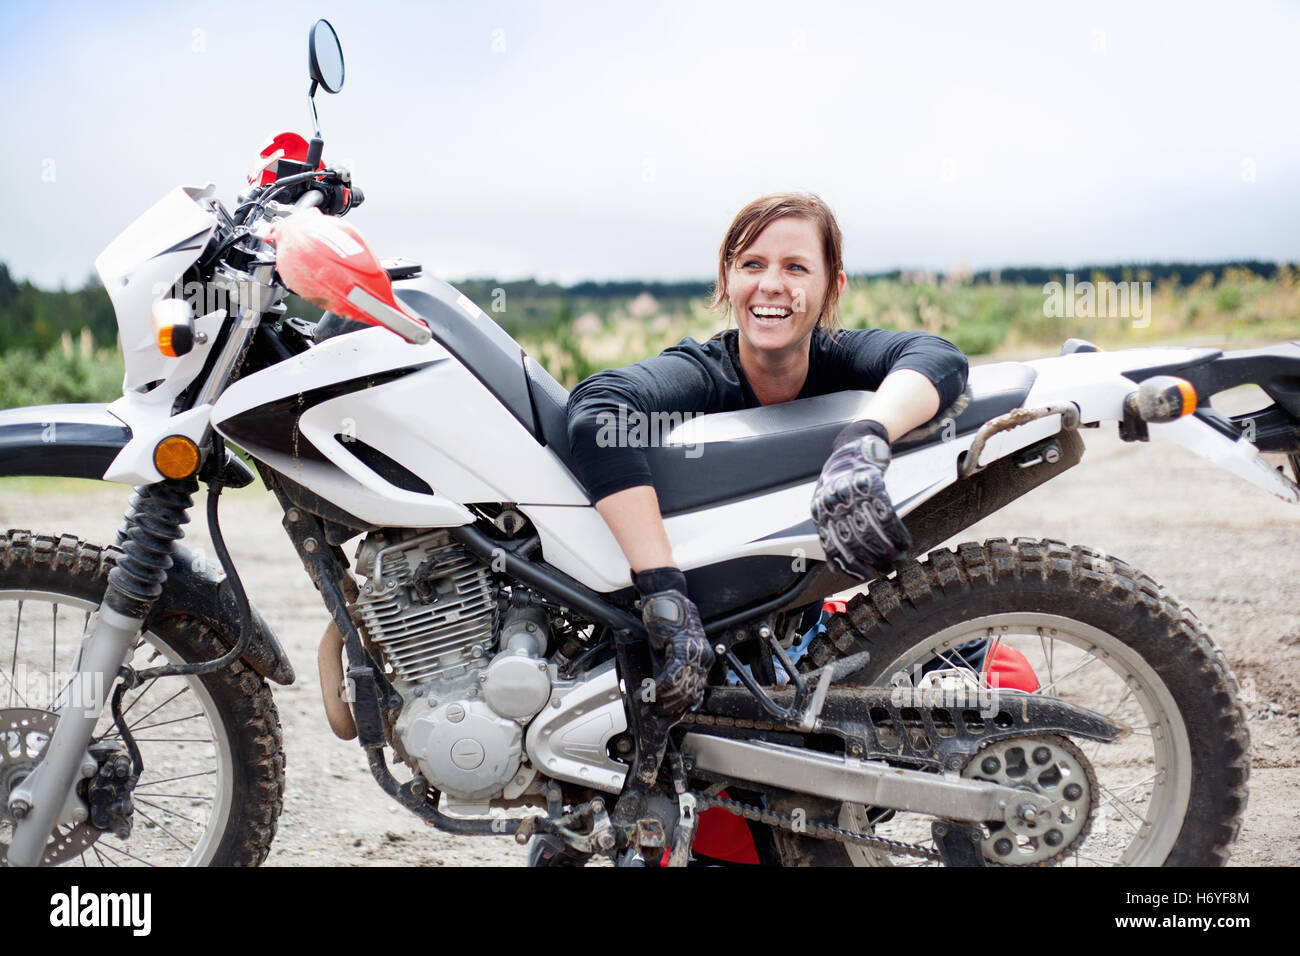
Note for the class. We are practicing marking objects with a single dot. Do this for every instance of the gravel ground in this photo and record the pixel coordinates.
(1225, 548)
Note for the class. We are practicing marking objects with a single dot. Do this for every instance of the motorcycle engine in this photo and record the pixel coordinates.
(471, 676)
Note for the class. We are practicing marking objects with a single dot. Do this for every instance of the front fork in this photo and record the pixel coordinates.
(150, 530)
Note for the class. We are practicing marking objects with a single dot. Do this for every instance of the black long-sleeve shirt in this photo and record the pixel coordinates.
(706, 377)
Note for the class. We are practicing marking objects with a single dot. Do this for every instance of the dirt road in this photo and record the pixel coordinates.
(1228, 550)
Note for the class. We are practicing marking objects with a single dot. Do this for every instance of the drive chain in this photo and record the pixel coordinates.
(820, 831)
(826, 831)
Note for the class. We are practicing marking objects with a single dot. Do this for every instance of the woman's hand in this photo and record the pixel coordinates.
(680, 649)
(856, 523)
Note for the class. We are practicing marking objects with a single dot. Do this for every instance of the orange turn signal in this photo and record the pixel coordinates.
(173, 326)
(1164, 398)
(176, 457)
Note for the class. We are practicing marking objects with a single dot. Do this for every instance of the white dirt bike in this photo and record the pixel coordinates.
(487, 617)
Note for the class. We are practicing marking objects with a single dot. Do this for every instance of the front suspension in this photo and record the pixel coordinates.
(151, 528)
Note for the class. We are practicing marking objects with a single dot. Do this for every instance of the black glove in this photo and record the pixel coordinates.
(681, 652)
(855, 519)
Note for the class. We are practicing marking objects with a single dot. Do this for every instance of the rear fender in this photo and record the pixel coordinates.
(1237, 456)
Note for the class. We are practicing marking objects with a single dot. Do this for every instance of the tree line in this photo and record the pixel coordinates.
(35, 320)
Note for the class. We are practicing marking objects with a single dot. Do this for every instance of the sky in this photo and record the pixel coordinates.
(576, 140)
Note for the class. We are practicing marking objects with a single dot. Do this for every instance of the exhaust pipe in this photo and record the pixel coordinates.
(329, 661)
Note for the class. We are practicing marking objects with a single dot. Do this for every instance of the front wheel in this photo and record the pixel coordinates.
(1098, 634)
(213, 780)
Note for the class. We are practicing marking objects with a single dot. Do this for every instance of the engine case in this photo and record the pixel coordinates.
(430, 610)
(464, 748)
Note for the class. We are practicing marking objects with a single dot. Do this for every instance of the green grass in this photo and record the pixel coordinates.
(990, 320)
(574, 337)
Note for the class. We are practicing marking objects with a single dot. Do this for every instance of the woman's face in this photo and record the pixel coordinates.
(777, 286)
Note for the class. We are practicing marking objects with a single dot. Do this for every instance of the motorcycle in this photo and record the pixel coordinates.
(486, 615)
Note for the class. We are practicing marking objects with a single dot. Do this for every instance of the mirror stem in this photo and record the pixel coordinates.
(311, 99)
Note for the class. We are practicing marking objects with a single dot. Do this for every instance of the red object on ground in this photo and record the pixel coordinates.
(834, 607)
(722, 835)
(1006, 667)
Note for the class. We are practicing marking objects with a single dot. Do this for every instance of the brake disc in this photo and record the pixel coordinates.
(24, 734)
(1047, 766)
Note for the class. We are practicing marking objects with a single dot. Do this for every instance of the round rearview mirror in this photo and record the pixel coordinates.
(325, 57)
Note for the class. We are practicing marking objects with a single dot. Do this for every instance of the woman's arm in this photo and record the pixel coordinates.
(914, 374)
(609, 449)
(633, 516)
(905, 400)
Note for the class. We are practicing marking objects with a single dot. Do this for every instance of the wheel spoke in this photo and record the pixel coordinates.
(188, 846)
(1146, 780)
(1070, 673)
(124, 853)
(182, 816)
(184, 776)
(172, 740)
(178, 796)
(965, 663)
(163, 723)
(140, 696)
(99, 855)
(1128, 690)
(13, 689)
(1121, 805)
(13, 665)
(131, 726)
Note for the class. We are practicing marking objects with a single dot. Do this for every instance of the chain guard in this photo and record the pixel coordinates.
(907, 727)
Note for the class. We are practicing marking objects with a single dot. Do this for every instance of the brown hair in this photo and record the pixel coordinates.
(761, 213)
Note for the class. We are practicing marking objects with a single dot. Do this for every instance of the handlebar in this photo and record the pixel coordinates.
(310, 198)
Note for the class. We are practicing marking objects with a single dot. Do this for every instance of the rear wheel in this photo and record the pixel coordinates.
(1099, 635)
(213, 780)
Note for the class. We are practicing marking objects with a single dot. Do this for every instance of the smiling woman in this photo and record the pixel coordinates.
(780, 274)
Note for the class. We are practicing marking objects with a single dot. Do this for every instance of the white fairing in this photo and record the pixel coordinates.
(438, 421)
(149, 414)
(142, 264)
(139, 267)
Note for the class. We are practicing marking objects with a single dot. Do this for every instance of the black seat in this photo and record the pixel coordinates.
(714, 472)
